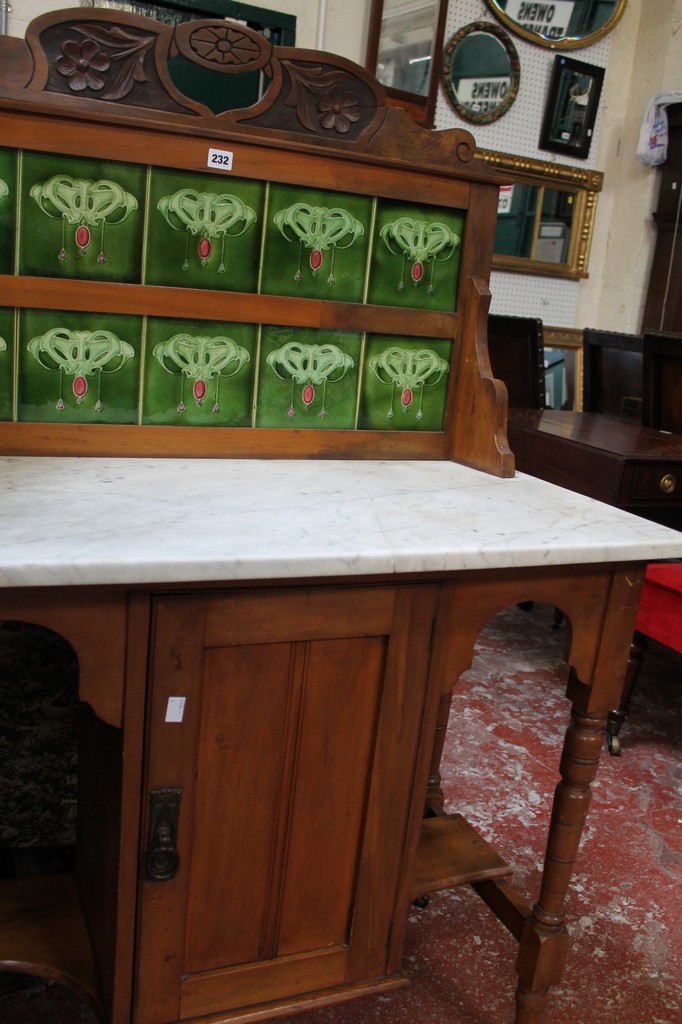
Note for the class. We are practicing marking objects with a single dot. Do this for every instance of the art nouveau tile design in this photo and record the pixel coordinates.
(81, 218)
(198, 373)
(94, 220)
(78, 367)
(316, 244)
(415, 256)
(203, 231)
(404, 383)
(308, 378)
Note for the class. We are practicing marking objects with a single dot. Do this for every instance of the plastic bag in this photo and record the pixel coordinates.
(652, 148)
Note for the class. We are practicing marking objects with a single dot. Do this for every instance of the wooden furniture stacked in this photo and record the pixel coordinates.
(516, 348)
(613, 373)
(662, 383)
(195, 305)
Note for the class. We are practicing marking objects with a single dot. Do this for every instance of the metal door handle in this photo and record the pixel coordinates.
(162, 856)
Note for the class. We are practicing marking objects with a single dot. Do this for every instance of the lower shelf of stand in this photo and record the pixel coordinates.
(451, 853)
(43, 932)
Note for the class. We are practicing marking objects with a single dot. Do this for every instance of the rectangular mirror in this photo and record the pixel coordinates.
(563, 360)
(404, 51)
(545, 216)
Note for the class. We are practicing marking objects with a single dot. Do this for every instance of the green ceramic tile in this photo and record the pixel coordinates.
(415, 256)
(204, 231)
(78, 367)
(8, 203)
(199, 374)
(81, 218)
(316, 244)
(308, 378)
(404, 383)
(6, 362)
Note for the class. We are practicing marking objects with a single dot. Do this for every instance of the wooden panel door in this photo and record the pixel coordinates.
(293, 759)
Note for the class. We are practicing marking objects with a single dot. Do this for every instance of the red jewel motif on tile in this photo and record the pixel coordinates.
(205, 248)
(316, 260)
(308, 395)
(83, 237)
(80, 387)
(417, 272)
(406, 398)
(200, 390)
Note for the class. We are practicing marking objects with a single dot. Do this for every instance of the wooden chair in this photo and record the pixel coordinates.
(516, 349)
(612, 373)
(662, 382)
(659, 618)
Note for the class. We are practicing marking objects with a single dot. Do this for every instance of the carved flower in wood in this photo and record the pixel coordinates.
(321, 99)
(82, 63)
(338, 109)
(224, 45)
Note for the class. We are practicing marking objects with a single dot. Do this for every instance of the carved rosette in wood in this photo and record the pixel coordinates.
(222, 46)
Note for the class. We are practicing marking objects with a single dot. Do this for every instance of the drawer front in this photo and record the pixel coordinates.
(661, 483)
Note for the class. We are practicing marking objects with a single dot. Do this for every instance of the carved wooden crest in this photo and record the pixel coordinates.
(91, 60)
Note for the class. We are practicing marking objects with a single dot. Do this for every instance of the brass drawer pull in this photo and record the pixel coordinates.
(668, 483)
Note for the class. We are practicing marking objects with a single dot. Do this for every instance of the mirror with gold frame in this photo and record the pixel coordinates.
(562, 24)
(481, 72)
(545, 216)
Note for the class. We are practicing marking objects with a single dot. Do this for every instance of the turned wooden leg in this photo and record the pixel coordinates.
(434, 791)
(617, 717)
(544, 940)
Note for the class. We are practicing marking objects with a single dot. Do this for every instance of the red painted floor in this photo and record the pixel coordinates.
(625, 904)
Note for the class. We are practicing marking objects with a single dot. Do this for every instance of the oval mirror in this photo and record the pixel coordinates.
(481, 72)
(563, 24)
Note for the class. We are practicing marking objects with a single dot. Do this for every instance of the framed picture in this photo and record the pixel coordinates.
(571, 109)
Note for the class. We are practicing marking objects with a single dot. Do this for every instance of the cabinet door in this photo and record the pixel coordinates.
(293, 760)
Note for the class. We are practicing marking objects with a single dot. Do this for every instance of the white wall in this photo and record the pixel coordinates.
(648, 43)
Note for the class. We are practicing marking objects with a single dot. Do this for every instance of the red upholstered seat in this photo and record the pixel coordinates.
(660, 609)
(659, 618)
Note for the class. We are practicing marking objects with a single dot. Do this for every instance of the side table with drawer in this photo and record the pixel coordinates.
(621, 463)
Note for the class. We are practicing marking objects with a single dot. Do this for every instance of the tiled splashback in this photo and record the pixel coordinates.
(84, 219)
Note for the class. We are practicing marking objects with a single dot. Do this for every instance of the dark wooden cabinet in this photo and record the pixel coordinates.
(615, 461)
(298, 743)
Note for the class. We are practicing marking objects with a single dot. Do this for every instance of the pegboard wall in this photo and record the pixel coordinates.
(518, 132)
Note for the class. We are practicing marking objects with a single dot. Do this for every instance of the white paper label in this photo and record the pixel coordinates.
(219, 159)
(175, 709)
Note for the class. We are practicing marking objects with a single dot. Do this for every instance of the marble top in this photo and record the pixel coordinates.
(71, 521)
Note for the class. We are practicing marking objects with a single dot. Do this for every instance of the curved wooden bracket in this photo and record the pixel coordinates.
(479, 431)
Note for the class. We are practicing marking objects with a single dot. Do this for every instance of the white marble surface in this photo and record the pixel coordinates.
(90, 521)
